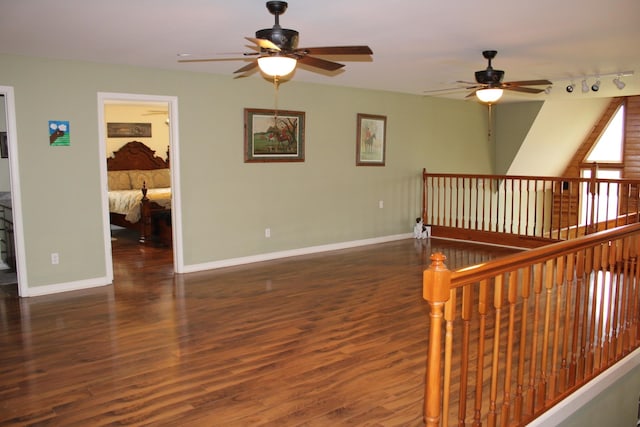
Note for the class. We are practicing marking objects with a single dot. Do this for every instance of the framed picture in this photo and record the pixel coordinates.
(371, 140)
(59, 133)
(128, 130)
(4, 149)
(273, 136)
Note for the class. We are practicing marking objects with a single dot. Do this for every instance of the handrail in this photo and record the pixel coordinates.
(479, 272)
(536, 209)
(524, 331)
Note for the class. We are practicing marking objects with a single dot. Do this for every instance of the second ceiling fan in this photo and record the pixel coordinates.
(489, 85)
(278, 53)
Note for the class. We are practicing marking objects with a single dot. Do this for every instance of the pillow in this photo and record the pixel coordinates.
(161, 178)
(118, 180)
(138, 177)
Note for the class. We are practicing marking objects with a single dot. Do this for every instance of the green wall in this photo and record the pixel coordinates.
(226, 203)
(512, 124)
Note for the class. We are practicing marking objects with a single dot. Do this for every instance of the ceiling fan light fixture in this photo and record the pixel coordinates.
(276, 66)
(490, 95)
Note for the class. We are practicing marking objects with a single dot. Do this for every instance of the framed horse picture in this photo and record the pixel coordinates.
(371, 140)
(273, 135)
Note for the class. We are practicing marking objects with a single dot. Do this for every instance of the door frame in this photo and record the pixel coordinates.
(174, 154)
(16, 196)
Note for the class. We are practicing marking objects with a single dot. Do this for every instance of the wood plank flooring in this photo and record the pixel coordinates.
(330, 339)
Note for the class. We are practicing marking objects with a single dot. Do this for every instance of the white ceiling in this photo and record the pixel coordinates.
(418, 45)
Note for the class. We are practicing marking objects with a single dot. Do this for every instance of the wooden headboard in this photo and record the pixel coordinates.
(135, 155)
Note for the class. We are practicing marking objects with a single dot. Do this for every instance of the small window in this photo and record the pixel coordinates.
(608, 148)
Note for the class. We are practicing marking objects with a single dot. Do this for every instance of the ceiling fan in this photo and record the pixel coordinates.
(278, 53)
(489, 86)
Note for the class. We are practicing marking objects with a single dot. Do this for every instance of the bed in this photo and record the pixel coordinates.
(139, 184)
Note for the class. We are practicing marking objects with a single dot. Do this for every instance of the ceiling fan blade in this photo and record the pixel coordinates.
(449, 89)
(211, 59)
(529, 83)
(336, 50)
(250, 66)
(523, 89)
(320, 63)
(264, 43)
(471, 94)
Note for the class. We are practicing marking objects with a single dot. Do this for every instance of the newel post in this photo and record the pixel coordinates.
(436, 283)
(424, 195)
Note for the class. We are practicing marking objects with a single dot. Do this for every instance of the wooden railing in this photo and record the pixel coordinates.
(524, 331)
(527, 211)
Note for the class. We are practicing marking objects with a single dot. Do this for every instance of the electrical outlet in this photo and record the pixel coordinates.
(55, 258)
(267, 232)
(381, 204)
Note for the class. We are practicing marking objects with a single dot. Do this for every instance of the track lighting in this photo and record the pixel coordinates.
(585, 86)
(619, 83)
(595, 87)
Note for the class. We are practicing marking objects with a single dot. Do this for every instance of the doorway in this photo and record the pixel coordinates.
(160, 115)
(12, 256)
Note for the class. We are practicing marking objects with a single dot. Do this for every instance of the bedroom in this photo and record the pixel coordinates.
(129, 124)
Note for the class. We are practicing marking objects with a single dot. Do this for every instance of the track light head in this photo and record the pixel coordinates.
(570, 87)
(596, 86)
(619, 83)
(585, 86)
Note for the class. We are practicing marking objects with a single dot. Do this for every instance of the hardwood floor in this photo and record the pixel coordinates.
(329, 339)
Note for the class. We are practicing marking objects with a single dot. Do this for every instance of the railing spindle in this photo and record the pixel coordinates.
(498, 290)
(467, 310)
(575, 341)
(512, 299)
(482, 312)
(519, 412)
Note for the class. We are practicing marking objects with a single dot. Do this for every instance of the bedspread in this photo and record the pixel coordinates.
(127, 202)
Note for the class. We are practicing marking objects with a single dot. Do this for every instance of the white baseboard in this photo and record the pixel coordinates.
(66, 287)
(290, 253)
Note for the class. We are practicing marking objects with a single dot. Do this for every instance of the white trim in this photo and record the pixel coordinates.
(588, 392)
(174, 155)
(291, 253)
(66, 287)
(16, 195)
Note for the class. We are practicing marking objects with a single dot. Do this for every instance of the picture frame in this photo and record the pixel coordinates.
(4, 148)
(273, 135)
(371, 140)
(128, 130)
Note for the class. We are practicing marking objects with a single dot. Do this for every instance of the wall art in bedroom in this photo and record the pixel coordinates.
(273, 136)
(59, 133)
(128, 130)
